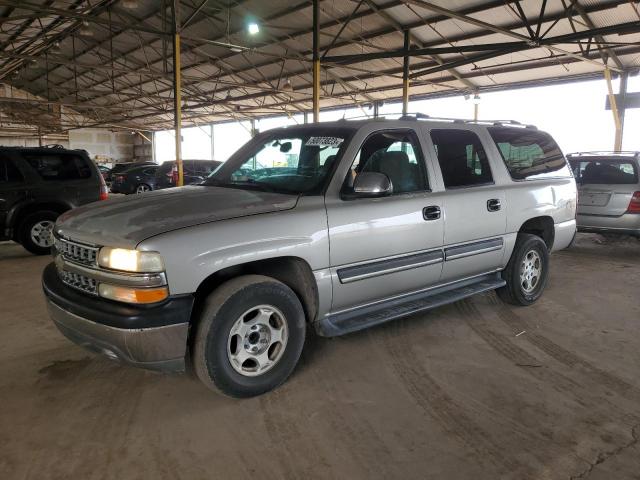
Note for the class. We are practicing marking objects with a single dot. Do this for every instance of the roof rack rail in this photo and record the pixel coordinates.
(53, 145)
(605, 153)
(423, 116)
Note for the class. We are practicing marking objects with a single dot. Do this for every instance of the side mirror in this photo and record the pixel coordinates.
(372, 184)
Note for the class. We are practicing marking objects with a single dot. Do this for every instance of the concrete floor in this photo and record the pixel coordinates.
(475, 390)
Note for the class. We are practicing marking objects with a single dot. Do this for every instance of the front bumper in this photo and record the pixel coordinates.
(152, 336)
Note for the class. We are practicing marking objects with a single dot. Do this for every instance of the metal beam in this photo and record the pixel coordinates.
(316, 61)
(177, 90)
(496, 29)
(405, 74)
(513, 47)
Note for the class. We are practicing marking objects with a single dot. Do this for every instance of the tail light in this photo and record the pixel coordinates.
(104, 190)
(634, 203)
(174, 174)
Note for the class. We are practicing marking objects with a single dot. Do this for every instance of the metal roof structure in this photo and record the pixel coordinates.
(108, 63)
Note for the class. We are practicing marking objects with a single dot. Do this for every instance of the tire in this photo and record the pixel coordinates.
(33, 231)
(142, 188)
(251, 305)
(530, 258)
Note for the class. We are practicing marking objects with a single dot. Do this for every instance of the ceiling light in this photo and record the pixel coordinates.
(253, 28)
(129, 4)
(287, 87)
(85, 29)
(55, 48)
(235, 49)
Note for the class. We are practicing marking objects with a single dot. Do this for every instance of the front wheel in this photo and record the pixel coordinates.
(527, 272)
(36, 230)
(249, 336)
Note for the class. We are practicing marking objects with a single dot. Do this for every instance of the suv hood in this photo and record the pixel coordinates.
(125, 222)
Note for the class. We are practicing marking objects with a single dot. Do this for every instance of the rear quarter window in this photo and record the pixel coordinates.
(529, 154)
(58, 166)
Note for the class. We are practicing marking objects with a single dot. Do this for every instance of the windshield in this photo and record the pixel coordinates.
(295, 161)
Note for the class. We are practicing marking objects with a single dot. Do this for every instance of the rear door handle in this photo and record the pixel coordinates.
(494, 204)
(431, 212)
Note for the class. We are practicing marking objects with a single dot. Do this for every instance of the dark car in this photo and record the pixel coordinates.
(194, 171)
(121, 167)
(37, 185)
(135, 180)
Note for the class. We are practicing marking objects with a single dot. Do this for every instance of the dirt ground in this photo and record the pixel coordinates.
(474, 390)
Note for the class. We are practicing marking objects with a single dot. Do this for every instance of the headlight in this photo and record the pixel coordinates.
(130, 260)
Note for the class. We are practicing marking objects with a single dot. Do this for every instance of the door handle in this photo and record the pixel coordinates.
(494, 204)
(431, 212)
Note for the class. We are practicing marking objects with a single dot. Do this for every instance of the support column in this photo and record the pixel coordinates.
(376, 109)
(177, 90)
(405, 74)
(316, 61)
(622, 108)
(213, 151)
(617, 146)
(475, 112)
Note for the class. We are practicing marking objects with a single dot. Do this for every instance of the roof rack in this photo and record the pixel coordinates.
(497, 123)
(605, 153)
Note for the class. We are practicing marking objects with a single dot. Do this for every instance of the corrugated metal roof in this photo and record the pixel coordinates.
(113, 65)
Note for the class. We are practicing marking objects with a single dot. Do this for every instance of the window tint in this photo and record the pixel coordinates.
(397, 155)
(604, 173)
(529, 154)
(59, 166)
(9, 172)
(462, 158)
(149, 171)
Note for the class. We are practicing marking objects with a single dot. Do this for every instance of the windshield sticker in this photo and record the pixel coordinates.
(324, 142)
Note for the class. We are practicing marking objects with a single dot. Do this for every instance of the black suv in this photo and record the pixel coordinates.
(37, 185)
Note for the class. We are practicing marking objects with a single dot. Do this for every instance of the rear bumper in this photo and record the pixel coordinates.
(153, 337)
(628, 223)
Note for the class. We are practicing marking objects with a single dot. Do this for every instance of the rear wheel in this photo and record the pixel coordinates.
(527, 272)
(143, 187)
(36, 230)
(249, 336)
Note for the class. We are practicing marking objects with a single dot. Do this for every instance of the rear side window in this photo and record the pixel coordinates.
(529, 154)
(604, 173)
(59, 166)
(164, 169)
(9, 172)
(462, 158)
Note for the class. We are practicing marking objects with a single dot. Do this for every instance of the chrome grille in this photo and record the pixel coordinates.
(80, 282)
(76, 252)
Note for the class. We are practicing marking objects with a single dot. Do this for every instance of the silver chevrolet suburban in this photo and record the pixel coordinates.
(333, 227)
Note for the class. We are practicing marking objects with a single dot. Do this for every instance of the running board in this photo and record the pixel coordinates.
(361, 318)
